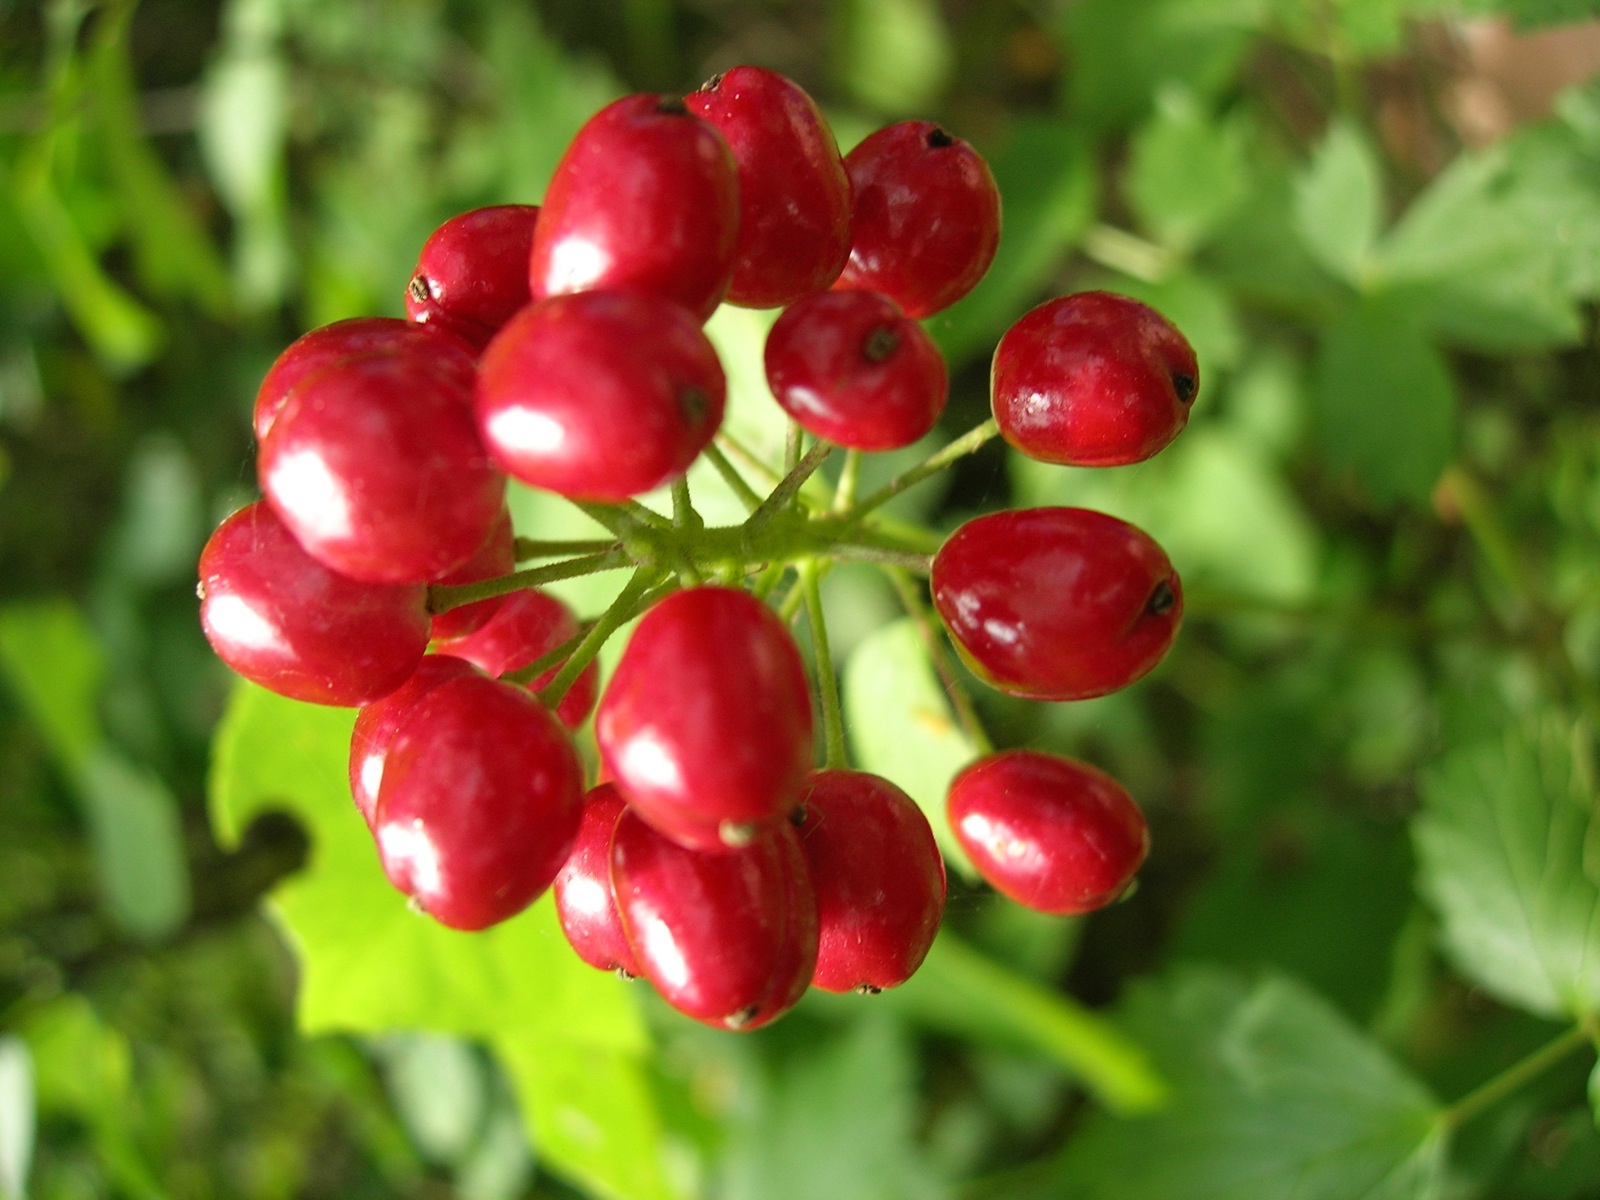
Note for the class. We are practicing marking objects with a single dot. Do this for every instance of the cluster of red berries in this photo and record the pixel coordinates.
(562, 346)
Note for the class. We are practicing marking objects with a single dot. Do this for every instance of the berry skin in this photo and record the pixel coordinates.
(851, 368)
(283, 620)
(472, 274)
(706, 722)
(794, 197)
(479, 806)
(878, 877)
(585, 903)
(378, 724)
(529, 625)
(723, 937)
(376, 467)
(599, 396)
(1055, 835)
(1092, 380)
(496, 557)
(359, 337)
(1056, 603)
(645, 199)
(926, 218)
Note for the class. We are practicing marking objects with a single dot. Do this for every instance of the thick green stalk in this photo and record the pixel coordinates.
(827, 681)
(621, 611)
(444, 597)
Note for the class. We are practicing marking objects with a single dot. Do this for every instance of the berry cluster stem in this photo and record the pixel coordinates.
(443, 597)
(968, 443)
(827, 680)
(622, 609)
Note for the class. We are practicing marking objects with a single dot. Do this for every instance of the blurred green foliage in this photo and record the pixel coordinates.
(1367, 765)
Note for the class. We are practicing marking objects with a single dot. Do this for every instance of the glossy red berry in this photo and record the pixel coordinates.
(926, 218)
(585, 903)
(528, 625)
(851, 368)
(878, 877)
(706, 723)
(377, 725)
(480, 801)
(722, 937)
(1092, 380)
(1056, 603)
(1053, 834)
(472, 274)
(496, 557)
(645, 199)
(599, 396)
(794, 196)
(283, 620)
(359, 337)
(376, 468)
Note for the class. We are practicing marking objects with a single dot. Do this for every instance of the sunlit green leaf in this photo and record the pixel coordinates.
(1508, 844)
(1188, 170)
(893, 55)
(1339, 202)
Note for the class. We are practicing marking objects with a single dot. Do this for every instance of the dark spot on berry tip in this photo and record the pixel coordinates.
(711, 84)
(938, 139)
(672, 106)
(741, 1018)
(1161, 600)
(1185, 386)
(694, 404)
(737, 834)
(797, 816)
(866, 989)
(419, 289)
(880, 344)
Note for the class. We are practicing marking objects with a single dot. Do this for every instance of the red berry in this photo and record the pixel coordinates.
(585, 902)
(1056, 603)
(706, 723)
(358, 337)
(645, 199)
(851, 368)
(721, 936)
(479, 805)
(529, 625)
(878, 878)
(794, 197)
(472, 274)
(496, 557)
(926, 219)
(377, 725)
(1092, 380)
(280, 618)
(375, 466)
(1053, 834)
(599, 396)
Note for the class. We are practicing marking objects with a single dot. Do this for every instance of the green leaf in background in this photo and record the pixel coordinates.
(1535, 14)
(1508, 847)
(1384, 406)
(370, 964)
(893, 55)
(1047, 179)
(53, 661)
(1339, 202)
(1274, 1097)
(901, 726)
(1187, 171)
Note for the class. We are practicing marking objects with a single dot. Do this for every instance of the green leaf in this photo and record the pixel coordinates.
(368, 963)
(1188, 171)
(1339, 202)
(1535, 14)
(1274, 1097)
(1594, 1092)
(1384, 404)
(1047, 181)
(894, 56)
(17, 1125)
(901, 726)
(1508, 846)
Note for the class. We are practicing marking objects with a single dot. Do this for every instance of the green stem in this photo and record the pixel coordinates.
(1514, 1077)
(966, 714)
(767, 582)
(1128, 253)
(968, 443)
(793, 444)
(685, 519)
(748, 496)
(827, 681)
(621, 611)
(849, 476)
(908, 560)
(749, 458)
(526, 548)
(790, 484)
(444, 597)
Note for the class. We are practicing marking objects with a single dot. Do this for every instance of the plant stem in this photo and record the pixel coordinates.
(849, 474)
(685, 519)
(622, 609)
(748, 496)
(966, 444)
(444, 597)
(908, 560)
(1125, 252)
(527, 548)
(791, 483)
(749, 458)
(966, 714)
(1514, 1077)
(793, 444)
(827, 681)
